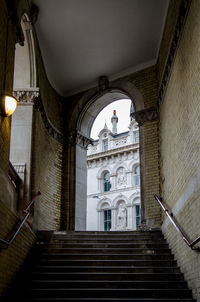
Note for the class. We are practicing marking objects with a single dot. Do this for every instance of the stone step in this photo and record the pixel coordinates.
(107, 284)
(79, 256)
(101, 266)
(108, 244)
(105, 269)
(50, 249)
(92, 240)
(110, 293)
(111, 299)
(174, 277)
(100, 233)
(99, 262)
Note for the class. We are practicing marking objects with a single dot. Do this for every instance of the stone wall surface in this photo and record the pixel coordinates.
(179, 145)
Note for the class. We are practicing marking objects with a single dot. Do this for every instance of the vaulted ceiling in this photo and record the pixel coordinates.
(81, 40)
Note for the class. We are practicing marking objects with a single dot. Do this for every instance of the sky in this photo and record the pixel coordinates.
(122, 108)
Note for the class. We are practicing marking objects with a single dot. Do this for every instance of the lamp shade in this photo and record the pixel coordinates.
(8, 105)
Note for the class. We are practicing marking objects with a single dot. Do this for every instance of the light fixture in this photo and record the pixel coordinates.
(8, 105)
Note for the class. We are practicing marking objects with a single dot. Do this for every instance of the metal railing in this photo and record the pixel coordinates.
(26, 212)
(177, 227)
(14, 177)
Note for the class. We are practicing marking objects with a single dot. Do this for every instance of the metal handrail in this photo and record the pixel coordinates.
(177, 227)
(27, 213)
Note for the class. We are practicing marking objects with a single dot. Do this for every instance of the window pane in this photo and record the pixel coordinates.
(106, 182)
(107, 220)
(136, 176)
(136, 136)
(105, 145)
(138, 215)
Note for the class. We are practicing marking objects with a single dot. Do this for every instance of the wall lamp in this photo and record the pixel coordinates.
(8, 105)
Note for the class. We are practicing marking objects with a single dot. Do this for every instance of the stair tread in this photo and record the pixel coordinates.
(104, 266)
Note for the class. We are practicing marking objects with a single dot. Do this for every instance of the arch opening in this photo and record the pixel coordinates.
(119, 180)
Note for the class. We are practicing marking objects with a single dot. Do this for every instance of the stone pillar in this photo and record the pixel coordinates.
(130, 217)
(149, 165)
(113, 225)
(75, 182)
(21, 139)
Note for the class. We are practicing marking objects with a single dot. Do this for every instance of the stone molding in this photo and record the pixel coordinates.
(146, 115)
(26, 97)
(121, 150)
(77, 138)
(52, 131)
(20, 168)
(32, 97)
(184, 8)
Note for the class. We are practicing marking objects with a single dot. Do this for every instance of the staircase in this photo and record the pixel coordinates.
(101, 266)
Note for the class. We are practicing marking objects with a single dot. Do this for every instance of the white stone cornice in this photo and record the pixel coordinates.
(110, 153)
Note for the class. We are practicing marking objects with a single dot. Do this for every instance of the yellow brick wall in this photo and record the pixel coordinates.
(180, 144)
(12, 258)
(46, 177)
(151, 171)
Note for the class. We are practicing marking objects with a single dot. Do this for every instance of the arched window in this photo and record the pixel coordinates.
(106, 181)
(136, 175)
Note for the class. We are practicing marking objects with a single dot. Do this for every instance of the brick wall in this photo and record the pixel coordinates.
(12, 258)
(46, 177)
(180, 141)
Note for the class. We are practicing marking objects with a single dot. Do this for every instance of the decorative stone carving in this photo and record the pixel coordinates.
(77, 138)
(146, 115)
(26, 96)
(121, 177)
(20, 168)
(121, 217)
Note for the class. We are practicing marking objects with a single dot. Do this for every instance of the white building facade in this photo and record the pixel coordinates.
(113, 179)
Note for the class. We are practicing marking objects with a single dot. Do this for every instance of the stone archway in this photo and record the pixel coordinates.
(79, 128)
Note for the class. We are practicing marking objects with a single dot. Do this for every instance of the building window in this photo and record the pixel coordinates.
(136, 137)
(106, 182)
(136, 176)
(105, 144)
(107, 220)
(137, 215)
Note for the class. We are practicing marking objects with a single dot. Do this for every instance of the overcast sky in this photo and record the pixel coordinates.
(122, 108)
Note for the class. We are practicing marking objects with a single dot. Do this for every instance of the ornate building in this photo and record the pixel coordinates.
(113, 187)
